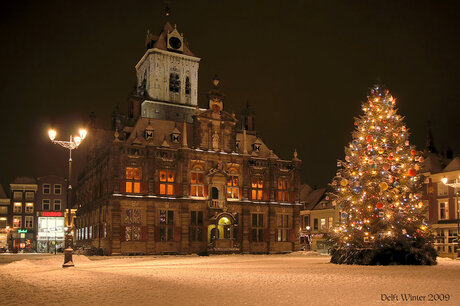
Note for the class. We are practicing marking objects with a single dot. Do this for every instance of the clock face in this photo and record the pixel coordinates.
(175, 42)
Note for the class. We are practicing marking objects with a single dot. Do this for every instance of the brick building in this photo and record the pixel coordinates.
(5, 220)
(23, 231)
(176, 178)
(443, 203)
(50, 211)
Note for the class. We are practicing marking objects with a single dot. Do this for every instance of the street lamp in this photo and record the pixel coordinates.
(71, 145)
(456, 185)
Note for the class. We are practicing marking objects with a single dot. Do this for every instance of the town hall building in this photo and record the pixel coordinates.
(173, 178)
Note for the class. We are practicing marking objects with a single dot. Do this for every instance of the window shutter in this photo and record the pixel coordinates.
(122, 233)
(292, 196)
(178, 189)
(157, 233)
(157, 188)
(240, 195)
(205, 191)
(250, 235)
(177, 233)
(266, 195)
(144, 187)
(144, 233)
(123, 186)
(291, 235)
(266, 234)
(276, 234)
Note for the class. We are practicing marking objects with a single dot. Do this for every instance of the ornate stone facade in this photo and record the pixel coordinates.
(179, 179)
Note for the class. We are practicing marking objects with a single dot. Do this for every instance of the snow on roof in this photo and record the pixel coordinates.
(432, 163)
(453, 165)
(314, 197)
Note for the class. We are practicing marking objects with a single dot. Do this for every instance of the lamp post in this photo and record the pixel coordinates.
(456, 185)
(72, 144)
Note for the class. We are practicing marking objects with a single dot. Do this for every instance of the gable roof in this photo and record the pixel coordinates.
(453, 165)
(159, 41)
(24, 180)
(2, 193)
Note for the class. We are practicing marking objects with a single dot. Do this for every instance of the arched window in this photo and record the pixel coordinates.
(233, 189)
(174, 82)
(215, 193)
(188, 86)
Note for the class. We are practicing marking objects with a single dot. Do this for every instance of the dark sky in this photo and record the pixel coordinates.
(304, 66)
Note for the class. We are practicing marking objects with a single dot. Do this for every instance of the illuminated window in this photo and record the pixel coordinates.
(167, 182)
(57, 188)
(166, 225)
(133, 220)
(46, 204)
(315, 224)
(29, 195)
(257, 185)
(57, 204)
(257, 227)
(283, 186)
(3, 210)
(443, 210)
(323, 223)
(331, 222)
(29, 208)
(197, 182)
(196, 226)
(133, 180)
(233, 189)
(29, 221)
(17, 208)
(282, 223)
(46, 188)
(17, 221)
(443, 189)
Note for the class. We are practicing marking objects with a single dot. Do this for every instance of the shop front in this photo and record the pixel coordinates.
(51, 231)
(23, 240)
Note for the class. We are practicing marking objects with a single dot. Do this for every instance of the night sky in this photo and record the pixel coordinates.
(304, 66)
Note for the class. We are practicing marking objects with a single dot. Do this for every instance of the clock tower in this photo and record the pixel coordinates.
(168, 71)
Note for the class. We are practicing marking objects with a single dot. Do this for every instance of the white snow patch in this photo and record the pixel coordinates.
(224, 280)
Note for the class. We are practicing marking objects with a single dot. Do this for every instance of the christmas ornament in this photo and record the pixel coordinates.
(369, 138)
(379, 205)
(386, 167)
(390, 157)
(413, 152)
(412, 172)
(383, 186)
(344, 182)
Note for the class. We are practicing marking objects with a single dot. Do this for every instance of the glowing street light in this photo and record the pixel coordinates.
(72, 144)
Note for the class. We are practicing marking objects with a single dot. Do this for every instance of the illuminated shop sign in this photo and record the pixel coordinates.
(51, 214)
(22, 231)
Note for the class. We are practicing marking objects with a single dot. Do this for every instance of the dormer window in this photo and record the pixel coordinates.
(148, 133)
(174, 82)
(188, 86)
(256, 147)
(175, 134)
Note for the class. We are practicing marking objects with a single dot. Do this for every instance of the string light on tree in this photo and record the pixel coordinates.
(378, 186)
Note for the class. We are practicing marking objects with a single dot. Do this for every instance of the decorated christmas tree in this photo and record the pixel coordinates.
(378, 191)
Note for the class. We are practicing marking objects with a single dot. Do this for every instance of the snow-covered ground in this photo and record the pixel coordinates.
(300, 279)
